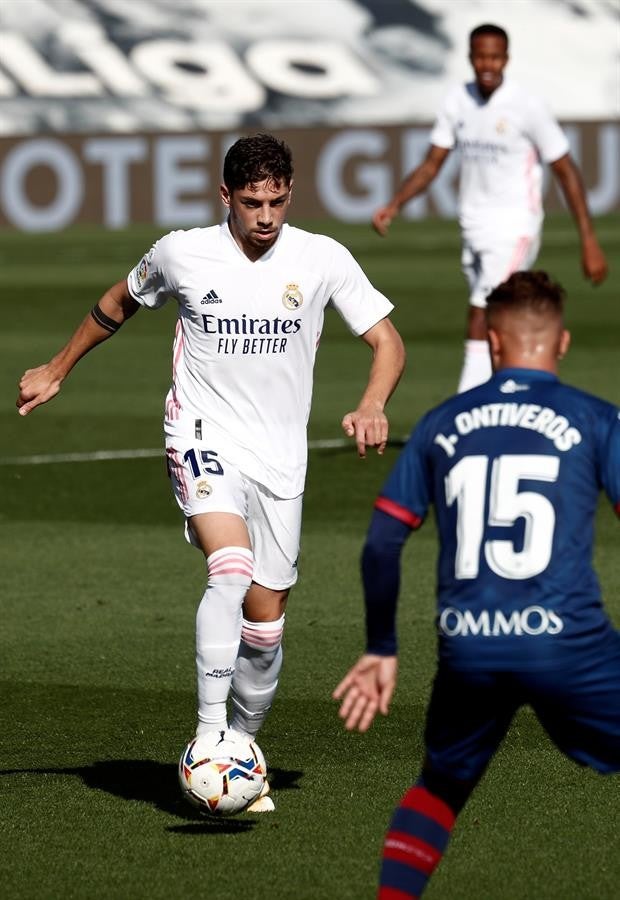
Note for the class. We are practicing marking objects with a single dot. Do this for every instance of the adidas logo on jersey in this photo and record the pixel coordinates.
(511, 387)
(211, 297)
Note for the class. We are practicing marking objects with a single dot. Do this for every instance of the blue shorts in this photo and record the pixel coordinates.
(578, 705)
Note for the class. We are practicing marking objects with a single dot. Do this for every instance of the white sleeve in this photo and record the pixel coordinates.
(544, 131)
(148, 281)
(353, 296)
(443, 133)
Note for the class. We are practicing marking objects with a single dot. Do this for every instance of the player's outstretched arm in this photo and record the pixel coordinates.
(415, 183)
(39, 385)
(368, 423)
(593, 259)
(366, 689)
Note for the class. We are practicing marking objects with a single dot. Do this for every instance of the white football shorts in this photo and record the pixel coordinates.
(203, 481)
(487, 262)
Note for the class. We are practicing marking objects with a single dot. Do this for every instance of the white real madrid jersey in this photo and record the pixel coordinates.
(502, 141)
(246, 339)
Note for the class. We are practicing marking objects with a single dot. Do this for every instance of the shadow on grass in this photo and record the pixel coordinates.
(147, 781)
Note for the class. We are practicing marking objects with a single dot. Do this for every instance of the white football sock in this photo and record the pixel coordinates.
(476, 365)
(218, 631)
(256, 674)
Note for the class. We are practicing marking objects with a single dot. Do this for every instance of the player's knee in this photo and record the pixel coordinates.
(230, 565)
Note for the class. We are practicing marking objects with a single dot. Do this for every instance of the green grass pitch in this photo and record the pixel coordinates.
(99, 592)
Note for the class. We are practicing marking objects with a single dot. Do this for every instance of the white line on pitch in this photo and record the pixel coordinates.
(41, 459)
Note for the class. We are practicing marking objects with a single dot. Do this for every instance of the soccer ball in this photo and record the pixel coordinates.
(222, 772)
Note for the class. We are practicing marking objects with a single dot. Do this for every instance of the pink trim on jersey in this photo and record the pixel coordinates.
(173, 406)
(533, 194)
(398, 512)
(520, 252)
(177, 469)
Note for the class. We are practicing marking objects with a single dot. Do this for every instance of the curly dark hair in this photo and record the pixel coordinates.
(527, 292)
(488, 29)
(256, 158)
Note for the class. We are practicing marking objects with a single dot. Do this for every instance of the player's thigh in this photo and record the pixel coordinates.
(496, 257)
(508, 253)
(579, 707)
(212, 494)
(468, 716)
(274, 524)
(470, 263)
(214, 530)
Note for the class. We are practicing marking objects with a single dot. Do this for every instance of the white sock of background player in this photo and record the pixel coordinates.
(476, 365)
(218, 632)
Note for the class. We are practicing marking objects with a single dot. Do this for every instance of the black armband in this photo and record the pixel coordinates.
(104, 321)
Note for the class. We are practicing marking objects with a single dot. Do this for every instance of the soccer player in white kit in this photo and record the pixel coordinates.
(251, 295)
(503, 133)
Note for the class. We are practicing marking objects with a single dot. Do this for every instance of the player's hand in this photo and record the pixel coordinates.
(37, 386)
(382, 219)
(366, 689)
(369, 426)
(593, 261)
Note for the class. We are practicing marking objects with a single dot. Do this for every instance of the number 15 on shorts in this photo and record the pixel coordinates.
(208, 458)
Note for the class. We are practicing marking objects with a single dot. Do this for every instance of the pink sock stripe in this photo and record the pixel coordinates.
(241, 552)
(224, 564)
(255, 640)
(230, 561)
(231, 570)
(262, 634)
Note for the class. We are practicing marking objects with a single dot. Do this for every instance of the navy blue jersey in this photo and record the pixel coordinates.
(514, 469)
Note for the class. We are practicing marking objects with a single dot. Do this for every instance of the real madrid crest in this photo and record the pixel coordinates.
(292, 297)
(203, 490)
(501, 126)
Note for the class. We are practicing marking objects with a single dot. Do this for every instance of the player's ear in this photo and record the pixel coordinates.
(495, 346)
(564, 344)
(225, 194)
(493, 339)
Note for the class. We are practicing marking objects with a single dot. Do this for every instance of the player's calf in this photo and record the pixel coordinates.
(256, 674)
(414, 845)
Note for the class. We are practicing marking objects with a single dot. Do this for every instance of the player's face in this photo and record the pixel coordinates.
(256, 214)
(488, 57)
